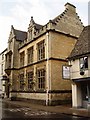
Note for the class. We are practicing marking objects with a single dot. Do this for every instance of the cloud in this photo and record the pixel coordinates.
(5, 23)
(41, 10)
(24, 11)
(89, 13)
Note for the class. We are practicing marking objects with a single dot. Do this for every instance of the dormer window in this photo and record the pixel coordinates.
(30, 35)
(2, 56)
(30, 29)
(83, 63)
(10, 44)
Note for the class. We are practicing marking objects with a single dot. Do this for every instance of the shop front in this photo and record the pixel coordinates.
(85, 90)
(81, 88)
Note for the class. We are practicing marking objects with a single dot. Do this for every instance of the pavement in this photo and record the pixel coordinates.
(62, 109)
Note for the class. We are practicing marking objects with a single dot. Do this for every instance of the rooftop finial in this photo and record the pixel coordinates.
(12, 27)
(32, 21)
(31, 17)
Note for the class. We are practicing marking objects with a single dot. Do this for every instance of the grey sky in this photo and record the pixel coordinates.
(19, 12)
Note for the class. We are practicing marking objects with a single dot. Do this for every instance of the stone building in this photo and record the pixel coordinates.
(35, 58)
(3, 82)
(79, 60)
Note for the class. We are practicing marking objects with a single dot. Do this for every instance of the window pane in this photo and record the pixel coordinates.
(86, 62)
(41, 79)
(22, 59)
(30, 80)
(41, 50)
(83, 63)
(30, 55)
(21, 81)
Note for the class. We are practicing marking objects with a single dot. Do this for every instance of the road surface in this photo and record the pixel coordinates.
(13, 112)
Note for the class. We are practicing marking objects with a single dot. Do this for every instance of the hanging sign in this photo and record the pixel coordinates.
(66, 72)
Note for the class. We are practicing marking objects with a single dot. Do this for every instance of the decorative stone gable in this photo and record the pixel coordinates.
(68, 22)
(31, 23)
(32, 29)
(70, 7)
(10, 39)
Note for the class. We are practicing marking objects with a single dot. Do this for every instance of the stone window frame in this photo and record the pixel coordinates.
(41, 79)
(30, 55)
(30, 78)
(22, 58)
(41, 50)
(21, 80)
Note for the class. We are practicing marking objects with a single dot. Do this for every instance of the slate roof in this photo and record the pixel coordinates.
(38, 26)
(82, 46)
(20, 35)
(3, 51)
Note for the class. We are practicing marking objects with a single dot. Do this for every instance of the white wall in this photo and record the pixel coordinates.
(76, 95)
(75, 74)
(75, 70)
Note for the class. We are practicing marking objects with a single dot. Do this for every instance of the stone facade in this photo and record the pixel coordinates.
(3, 82)
(36, 57)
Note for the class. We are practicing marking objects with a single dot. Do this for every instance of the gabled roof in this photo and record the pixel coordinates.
(3, 51)
(19, 35)
(82, 46)
(38, 26)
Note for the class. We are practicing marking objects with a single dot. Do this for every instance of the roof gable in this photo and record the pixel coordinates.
(69, 21)
(20, 35)
(34, 25)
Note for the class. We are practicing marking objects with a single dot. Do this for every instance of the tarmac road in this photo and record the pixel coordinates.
(14, 112)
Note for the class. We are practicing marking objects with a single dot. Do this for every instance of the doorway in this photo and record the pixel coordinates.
(85, 90)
